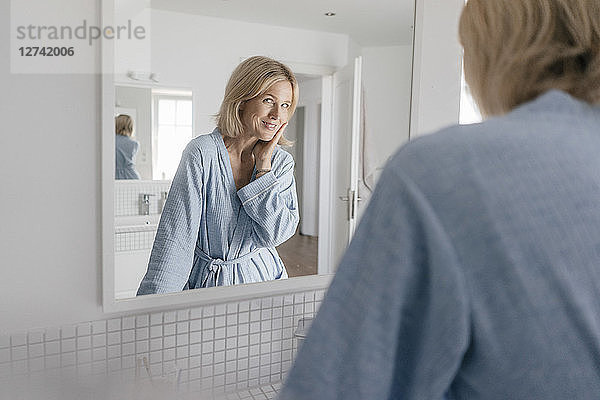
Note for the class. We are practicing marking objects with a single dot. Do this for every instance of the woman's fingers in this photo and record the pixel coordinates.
(278, 134)
(281, 129)
(263, 150)
(273, 142)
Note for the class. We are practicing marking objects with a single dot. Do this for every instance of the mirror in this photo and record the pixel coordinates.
(162, 127)
(354, 71)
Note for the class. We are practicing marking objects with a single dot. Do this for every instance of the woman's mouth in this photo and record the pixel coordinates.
(269, 126)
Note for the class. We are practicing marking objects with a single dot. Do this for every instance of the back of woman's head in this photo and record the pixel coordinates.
(252, 78)
(123, 125)
(515, 50)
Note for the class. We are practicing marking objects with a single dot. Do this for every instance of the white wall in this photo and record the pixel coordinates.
(437, 66)
(49, 208)
(208, 49)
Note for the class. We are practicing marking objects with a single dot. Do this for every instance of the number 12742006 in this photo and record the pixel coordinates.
(46, 51)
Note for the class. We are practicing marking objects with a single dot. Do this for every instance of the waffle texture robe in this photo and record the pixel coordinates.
(210, 233)
(475, 271)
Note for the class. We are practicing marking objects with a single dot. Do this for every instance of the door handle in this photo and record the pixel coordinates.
(350, 200)
(345, 198)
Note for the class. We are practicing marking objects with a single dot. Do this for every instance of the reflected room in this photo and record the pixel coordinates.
(354, 82)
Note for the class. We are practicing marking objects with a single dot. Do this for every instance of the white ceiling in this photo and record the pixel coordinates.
(368, 22)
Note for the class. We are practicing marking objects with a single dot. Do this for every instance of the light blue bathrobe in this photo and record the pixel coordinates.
(475, 271)
(210, 233)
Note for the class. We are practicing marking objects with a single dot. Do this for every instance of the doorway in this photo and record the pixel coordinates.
(300, 253)
(330, 157)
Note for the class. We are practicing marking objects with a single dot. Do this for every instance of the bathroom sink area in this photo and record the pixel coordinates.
(131, 223)
(134, 235)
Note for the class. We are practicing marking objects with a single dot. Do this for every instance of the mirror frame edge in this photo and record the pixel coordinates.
(107, 159)
(220, 294)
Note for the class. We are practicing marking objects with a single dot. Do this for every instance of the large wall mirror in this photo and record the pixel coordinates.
(353, 62)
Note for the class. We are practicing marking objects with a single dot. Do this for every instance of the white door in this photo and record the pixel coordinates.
(345, 156)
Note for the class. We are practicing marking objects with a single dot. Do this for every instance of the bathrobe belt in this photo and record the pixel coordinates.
(215, 265)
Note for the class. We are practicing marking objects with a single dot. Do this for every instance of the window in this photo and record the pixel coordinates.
(172, 132)
(468, 112)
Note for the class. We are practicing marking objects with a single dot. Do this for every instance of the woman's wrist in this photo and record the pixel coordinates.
(262, 167)
(260, 172)
(260, 164)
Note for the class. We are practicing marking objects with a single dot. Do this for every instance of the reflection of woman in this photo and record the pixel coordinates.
(233, 198)
(125, 148)
(475, 271)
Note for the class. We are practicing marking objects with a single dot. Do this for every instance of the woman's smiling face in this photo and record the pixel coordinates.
(263, 115)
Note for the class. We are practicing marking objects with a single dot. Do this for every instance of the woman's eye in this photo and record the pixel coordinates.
(270, 101)
(285, 105)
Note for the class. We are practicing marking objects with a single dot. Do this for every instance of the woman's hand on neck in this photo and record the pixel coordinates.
(246, 148)
(239, 147)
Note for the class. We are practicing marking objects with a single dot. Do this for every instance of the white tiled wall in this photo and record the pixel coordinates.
(127, 196)
(127, 203)
(134, 239)
(225, 347)
(258, 393)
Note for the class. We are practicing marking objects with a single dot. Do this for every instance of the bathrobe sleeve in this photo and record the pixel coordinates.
(136, 148)
(395, 321)
(271, 203)
(173, 250)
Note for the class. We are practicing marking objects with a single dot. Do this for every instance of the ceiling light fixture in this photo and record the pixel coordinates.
(330, 14)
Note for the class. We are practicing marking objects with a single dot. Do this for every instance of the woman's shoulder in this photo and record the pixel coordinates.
(553, 111)
(455, 148)
(127, 141)
(458, 150)
(203, 145)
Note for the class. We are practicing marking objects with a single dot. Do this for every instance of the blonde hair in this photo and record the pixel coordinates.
(123, 125)
(515, 50)
(252, 78)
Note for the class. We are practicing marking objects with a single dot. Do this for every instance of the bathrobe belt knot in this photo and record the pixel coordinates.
(215, 265)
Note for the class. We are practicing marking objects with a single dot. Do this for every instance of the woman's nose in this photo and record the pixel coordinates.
(274, 113)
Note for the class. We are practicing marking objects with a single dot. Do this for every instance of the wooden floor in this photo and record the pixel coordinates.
(299, 255)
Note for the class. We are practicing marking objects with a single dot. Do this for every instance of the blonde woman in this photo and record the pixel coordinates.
(233, 198)
(126, 148)
(475, 272)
